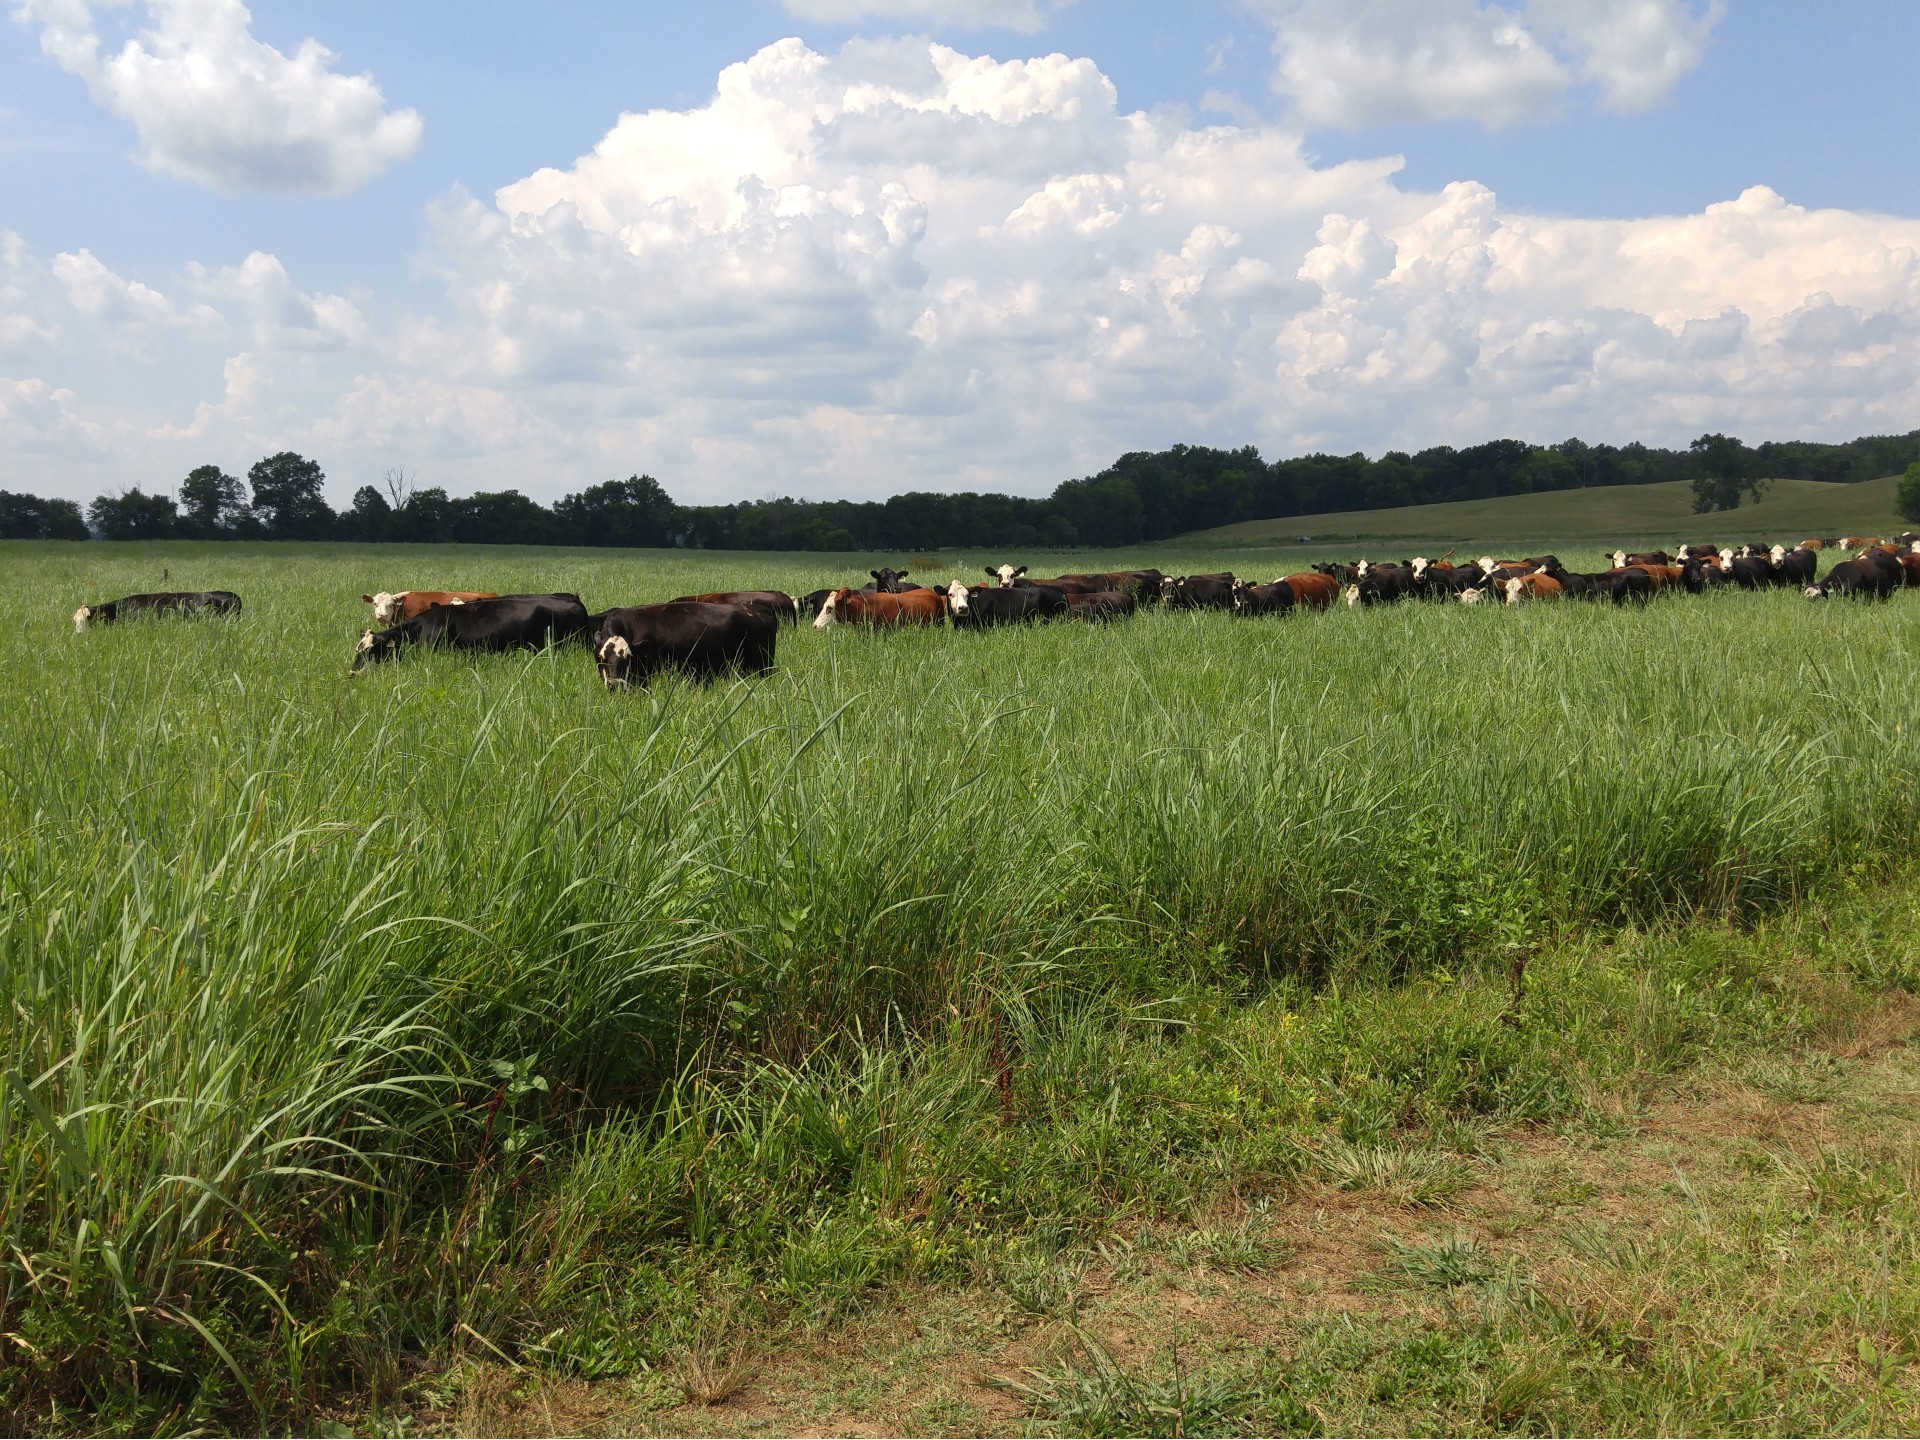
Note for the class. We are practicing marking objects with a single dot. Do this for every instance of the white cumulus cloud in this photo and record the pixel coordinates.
(900, 266)
(1352, 63)
(213, 104)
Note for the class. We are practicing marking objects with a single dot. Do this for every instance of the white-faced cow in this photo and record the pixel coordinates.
(170, 602)
(500, 622)
(699, 638)
(390, 607)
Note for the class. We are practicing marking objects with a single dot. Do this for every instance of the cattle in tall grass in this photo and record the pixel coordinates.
(391, 607)
(498, 622)
(1875, 576)
(851, 607)
(773, 602)
(165, 602)
(976, 607)
(700, 639)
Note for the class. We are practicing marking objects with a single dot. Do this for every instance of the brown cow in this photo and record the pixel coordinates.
(1910, 564)
(1312, 590)
(850, 607)
(1811, 545)
(390, 609)
(1536, 586)
(1858, 542)
(1661, 575)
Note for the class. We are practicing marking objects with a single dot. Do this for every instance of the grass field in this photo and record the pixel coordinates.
(1790, 511)
(373, 1045)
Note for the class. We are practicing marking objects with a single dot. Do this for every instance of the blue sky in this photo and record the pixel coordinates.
(909, 249)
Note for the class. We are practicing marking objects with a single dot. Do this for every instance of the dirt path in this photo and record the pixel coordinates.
(1723, 1256)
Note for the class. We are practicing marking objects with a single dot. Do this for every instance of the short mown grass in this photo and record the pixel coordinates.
(464, 1009)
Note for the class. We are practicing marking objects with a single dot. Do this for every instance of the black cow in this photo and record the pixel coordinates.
(506, 622)
(1877, 575)
(1199, 592)
(1143, 585)
(1750, 572)
(1381, 585)
(978, 606)
(774, 602)
(168, 602)
(695, 637)
(1274, 599)
(886, 581)
(1795, 567)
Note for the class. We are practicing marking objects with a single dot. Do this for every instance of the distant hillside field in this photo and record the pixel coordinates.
(1791, 510)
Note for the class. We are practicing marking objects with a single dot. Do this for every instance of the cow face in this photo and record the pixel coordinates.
(386, 607)
(1242, 594)
(614, 656)
(887, 580)
(1353, 596)
(1360, 569)
(1486, 562)
(829, 611)
(1166, 587)
(372, 649)
(1006, 574)
(1419, 567)
(957, 598)
(1472, 596)
(1816, 592)
(81, 617)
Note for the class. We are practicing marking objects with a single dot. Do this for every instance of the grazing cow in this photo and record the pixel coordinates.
(1872, 575)
(391, 607)
(1143, 585)
(774, 602)
(499, 622)
(850, 607)
(1815, 544)
(165, 602)
(1858, 542)
(1311, 589)
(700, 638)
(978, 606)
(1537, 586)
(1100, 605)
(1199, 592)
(1274, 599)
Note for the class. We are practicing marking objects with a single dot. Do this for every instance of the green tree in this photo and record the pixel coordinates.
(371, 517)
(1723, 474)
(133, 516)
(287, 497)
(28, 517)
(633, 512)
(213, 504)
(1907, 498)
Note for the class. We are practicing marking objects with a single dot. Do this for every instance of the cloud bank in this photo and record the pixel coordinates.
(902, 266)
(1354, 63)
(212, 104)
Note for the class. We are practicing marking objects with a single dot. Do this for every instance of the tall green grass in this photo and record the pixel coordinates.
(464, 1003)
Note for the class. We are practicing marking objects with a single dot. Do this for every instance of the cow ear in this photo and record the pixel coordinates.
(874, 573)
(1021, 571)
(367, 598)
(990, 570)
(901, 574)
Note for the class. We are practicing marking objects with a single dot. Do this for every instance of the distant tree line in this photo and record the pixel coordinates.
(1141, 497)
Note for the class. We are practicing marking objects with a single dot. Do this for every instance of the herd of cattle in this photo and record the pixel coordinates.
(735, 630)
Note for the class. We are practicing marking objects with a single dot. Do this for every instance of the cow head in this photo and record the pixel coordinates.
(1360, 569)
(1472, 596)
(1487, 564)
(1914, 549)
(1419, 567)
(957, 597)
(887, 580)
(829, 611)
(614, 656)
(1006, 574)
(1777, 554)
(1619, 558)
(372, 649)
(81, 617)
(1353, 596)
(1167, 586)
(1816, 592)
(1242, 594)
(1515, 588)
(386, 607)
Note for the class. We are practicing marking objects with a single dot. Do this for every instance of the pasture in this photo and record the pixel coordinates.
(462, 1019)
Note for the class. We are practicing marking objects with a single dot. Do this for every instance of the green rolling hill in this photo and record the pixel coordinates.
(1791, 510)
